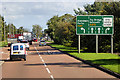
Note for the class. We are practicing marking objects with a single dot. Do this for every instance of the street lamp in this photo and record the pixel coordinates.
(4, 26)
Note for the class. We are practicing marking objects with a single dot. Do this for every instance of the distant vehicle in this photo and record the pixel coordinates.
(28, 36)
(20, 38)
(26, 43)
(35, 40)
(11, 41)
(42, 43)
(18, 50)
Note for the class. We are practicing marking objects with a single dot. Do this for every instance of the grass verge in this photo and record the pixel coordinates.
(106, 60)
(3, 43)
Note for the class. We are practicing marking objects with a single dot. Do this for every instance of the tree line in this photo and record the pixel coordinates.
(10, 28)
(62, 29)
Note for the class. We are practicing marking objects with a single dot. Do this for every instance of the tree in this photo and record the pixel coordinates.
(37, 30)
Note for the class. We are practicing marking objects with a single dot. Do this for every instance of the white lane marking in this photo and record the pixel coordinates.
(7, 58)
(48, 70)
(45, 64)
(43, 61)
(52, 77)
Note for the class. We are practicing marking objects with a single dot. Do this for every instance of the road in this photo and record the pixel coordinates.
(44, 62)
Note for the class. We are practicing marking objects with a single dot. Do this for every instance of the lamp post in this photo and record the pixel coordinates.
(4, 26)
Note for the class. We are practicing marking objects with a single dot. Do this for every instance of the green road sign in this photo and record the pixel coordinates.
(94, 25)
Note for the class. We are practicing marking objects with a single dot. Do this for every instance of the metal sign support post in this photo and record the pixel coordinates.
(79, 43)
(96, 43)
(112, 44)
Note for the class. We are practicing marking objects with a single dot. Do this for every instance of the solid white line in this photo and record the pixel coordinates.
(48, 70)
(52, 77)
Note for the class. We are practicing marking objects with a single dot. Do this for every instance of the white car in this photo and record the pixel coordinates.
(26, 43)
(42, 43)
(18, 50)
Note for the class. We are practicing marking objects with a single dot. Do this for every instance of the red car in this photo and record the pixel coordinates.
(35, 40)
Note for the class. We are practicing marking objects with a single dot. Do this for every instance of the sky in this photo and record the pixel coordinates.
(30, 12)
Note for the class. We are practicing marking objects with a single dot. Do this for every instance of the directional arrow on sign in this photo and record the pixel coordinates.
(107, 30)
(98, 30)
(91, 30)
(83, 29)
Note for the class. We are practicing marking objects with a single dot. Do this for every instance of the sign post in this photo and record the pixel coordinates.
(112, 44)
(96, 43)
(79, 43)
(95, 25)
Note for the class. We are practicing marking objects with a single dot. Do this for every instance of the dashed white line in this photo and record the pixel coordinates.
(45, 64)
(43, 61)
(48, 70)
(7, 58)
(52, 77)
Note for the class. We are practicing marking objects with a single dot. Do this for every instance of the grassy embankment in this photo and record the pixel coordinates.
(3, 43)
(106, 60)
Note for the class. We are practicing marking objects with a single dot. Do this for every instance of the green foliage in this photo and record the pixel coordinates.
(63, 29)
(106, 60)
(37, 30)
(3, 43)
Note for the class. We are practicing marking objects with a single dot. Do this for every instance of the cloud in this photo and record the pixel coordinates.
(11, 18)
(28, 13)
(40, 8)
(48, 0)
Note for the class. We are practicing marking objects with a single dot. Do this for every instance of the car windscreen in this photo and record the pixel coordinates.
(42, 41)
(24, 42)
(15, 47)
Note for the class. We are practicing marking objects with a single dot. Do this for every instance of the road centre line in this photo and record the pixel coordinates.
(48, 70)
(43, 61)
(45, 65)
(52, 77)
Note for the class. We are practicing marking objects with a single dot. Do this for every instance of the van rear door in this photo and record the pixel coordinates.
(18, 49)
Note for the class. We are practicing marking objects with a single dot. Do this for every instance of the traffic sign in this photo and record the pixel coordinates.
(94, 25)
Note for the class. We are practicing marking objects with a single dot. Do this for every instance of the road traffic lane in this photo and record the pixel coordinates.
(21, 69)
(64, 66)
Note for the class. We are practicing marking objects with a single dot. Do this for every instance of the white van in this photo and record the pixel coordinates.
(18, 50)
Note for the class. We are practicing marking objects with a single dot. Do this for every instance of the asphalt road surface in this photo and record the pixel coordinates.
(44, 62)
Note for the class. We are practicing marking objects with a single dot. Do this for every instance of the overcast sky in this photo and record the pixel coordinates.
(29, 12)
